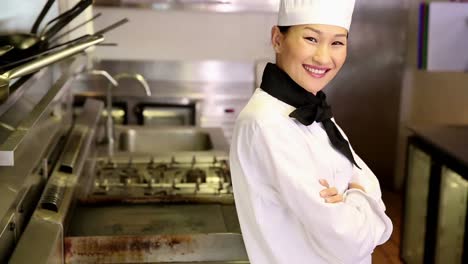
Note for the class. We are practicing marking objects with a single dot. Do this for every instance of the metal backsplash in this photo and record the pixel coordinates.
(185, 71)
(217, 89)
(198, 5)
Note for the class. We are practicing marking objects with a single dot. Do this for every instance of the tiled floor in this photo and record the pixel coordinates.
(388, 253)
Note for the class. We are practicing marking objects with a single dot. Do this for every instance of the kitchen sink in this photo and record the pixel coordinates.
(141, 139)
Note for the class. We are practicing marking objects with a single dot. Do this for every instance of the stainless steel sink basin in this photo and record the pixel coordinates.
(143, 139)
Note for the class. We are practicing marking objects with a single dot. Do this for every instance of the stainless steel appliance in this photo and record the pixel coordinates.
(164, 196)
(154, 115)
(436, 196)
(198, 93)
(33, 122)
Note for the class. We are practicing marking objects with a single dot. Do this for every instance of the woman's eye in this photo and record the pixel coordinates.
(311, 39)
(338, 43)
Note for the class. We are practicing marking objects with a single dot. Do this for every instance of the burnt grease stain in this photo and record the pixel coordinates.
(121, 245)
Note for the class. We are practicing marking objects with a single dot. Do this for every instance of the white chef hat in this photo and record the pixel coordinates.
(325, 12)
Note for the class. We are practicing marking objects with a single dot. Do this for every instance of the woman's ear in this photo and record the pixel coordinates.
(276, 38)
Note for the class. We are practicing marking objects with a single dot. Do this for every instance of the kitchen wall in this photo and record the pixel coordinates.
(185, 35)
(427, 97)
(19, 16)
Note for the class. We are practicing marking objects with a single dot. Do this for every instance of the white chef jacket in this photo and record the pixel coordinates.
(276, 163)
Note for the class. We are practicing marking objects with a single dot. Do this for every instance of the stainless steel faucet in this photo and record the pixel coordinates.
(109, 122)
(135, 76)
(113, 83)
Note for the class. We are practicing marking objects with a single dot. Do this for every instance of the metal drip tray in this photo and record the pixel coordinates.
(152, 219)
(156, 210)
(152, 232)
(172, 207)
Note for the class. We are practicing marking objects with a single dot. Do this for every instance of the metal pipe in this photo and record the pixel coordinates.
(135, 76)
(35, 65)
(113, 82)
(5, 49)
(124, 75)
(109, 122)
(49, 59)
(74, 28)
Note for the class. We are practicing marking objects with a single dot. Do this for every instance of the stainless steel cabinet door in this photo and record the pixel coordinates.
(414, 222)
(452, 213)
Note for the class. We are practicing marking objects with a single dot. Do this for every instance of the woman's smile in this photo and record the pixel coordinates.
(315, 71)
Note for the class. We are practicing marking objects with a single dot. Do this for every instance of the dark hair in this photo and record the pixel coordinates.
(284, 29)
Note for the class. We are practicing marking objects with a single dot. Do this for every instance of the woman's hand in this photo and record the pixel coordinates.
(330, 195)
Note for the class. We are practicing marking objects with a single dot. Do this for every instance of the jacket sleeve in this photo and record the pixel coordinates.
(345, 232)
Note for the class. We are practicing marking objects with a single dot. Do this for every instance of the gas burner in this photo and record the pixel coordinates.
(158, 177)
(162, 167)
(195, 175)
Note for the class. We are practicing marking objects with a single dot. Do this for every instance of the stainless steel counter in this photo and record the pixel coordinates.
(32, 122)
(57, 200)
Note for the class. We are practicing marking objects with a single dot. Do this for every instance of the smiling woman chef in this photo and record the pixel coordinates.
(302, 194)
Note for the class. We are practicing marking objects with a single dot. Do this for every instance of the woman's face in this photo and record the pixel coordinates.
(310, 54)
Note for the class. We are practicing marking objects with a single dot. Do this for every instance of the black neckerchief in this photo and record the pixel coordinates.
(309, 107)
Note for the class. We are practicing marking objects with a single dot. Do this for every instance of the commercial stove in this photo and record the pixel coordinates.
(156, 209)
(64, 200)
(162, 177)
